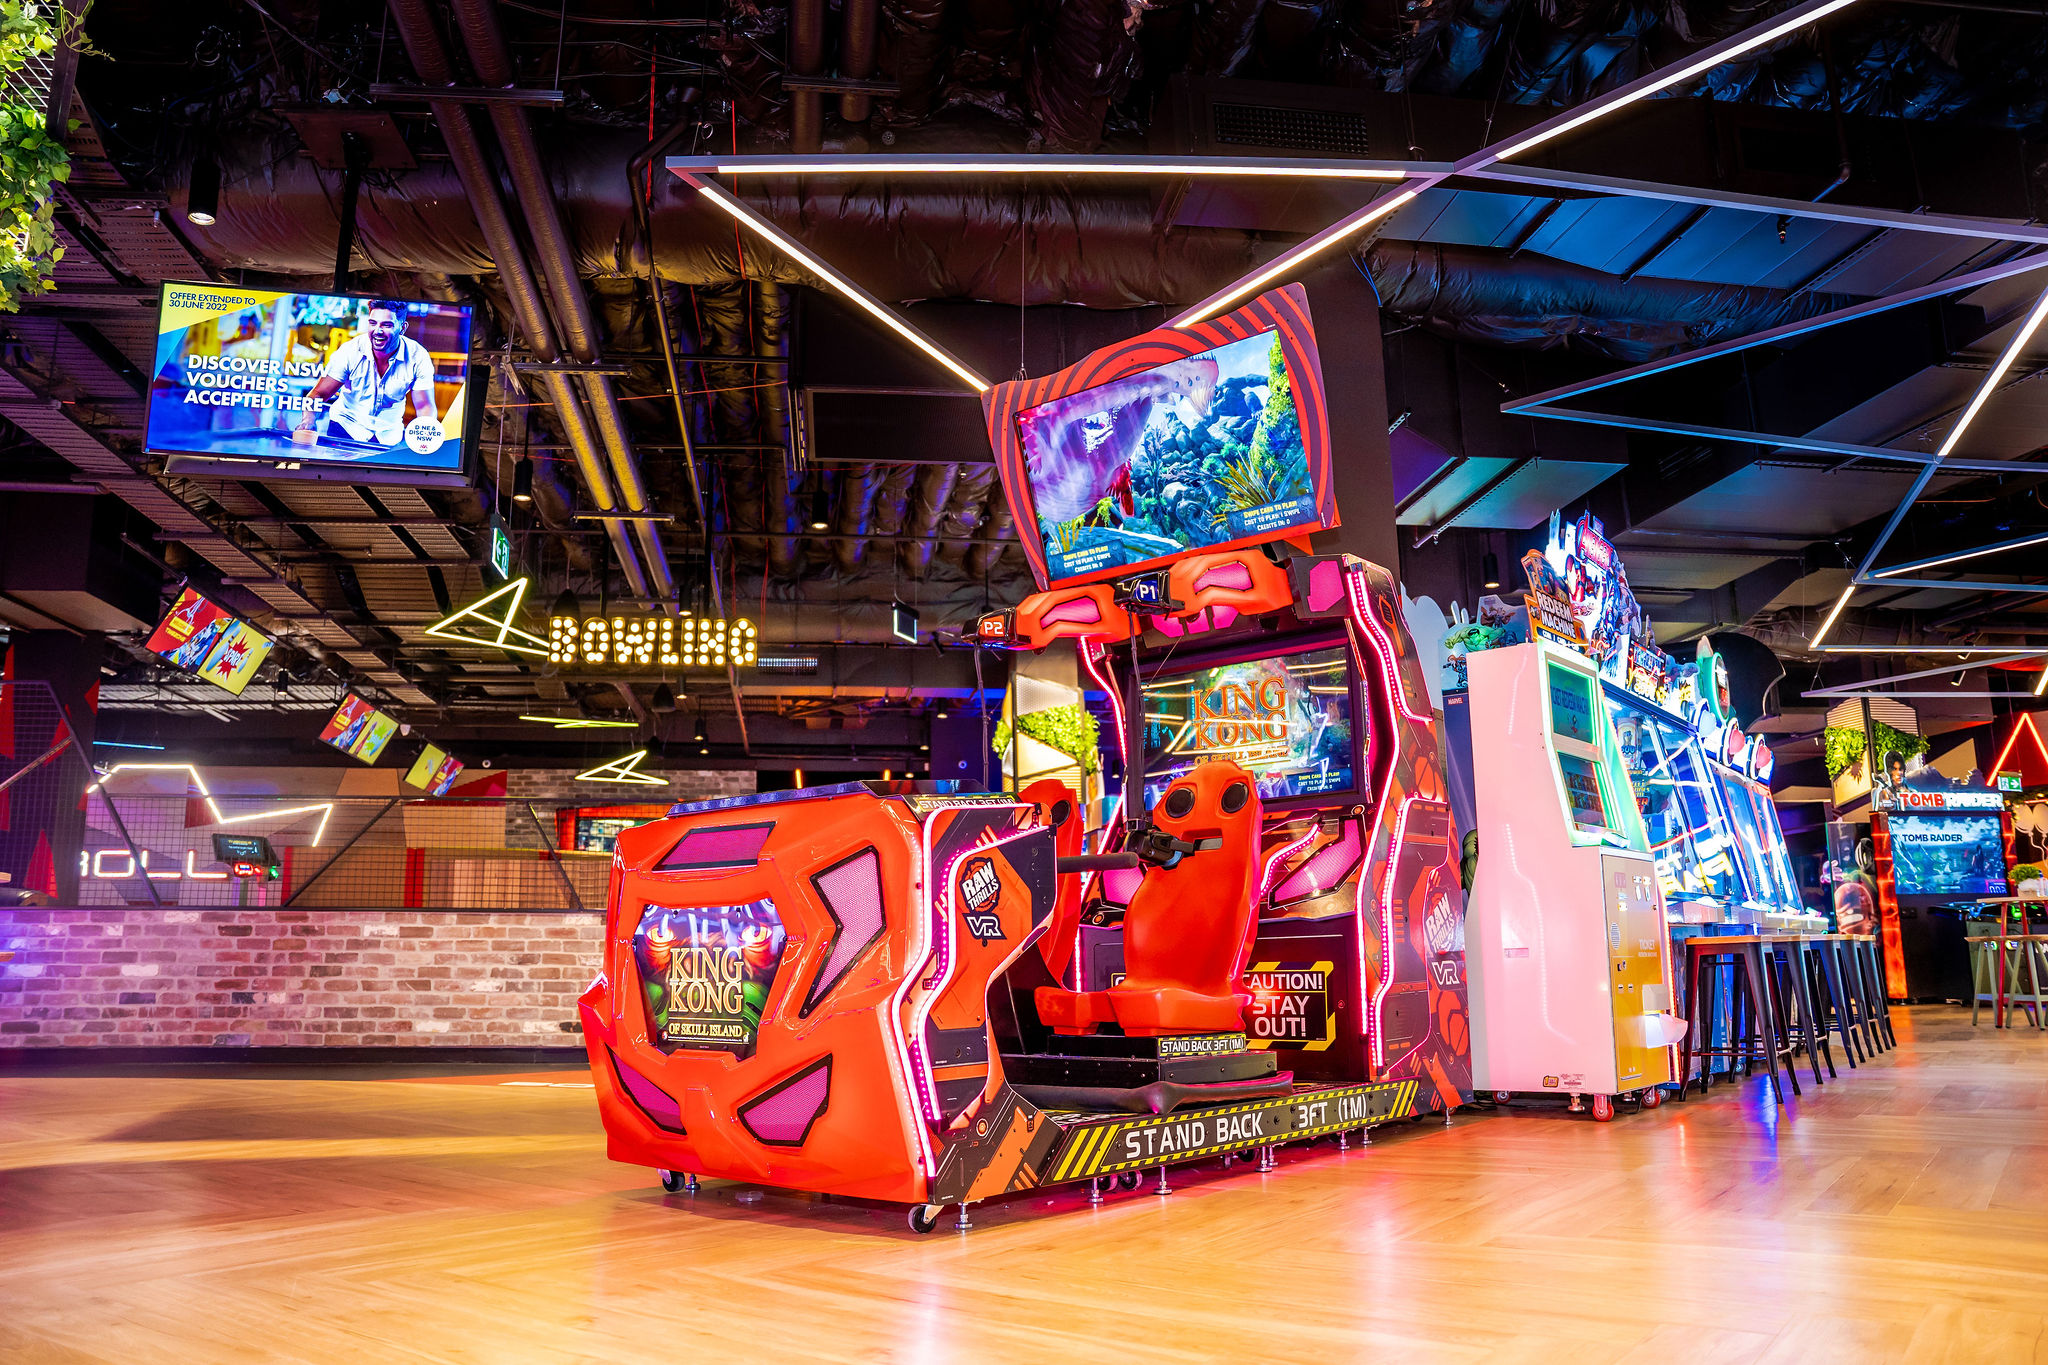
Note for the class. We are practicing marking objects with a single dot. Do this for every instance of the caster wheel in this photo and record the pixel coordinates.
(1652, 1097)
(1501, 1097)
(1129, 1180)
(1603, 1109)
(924, 1217)
(675, 1182)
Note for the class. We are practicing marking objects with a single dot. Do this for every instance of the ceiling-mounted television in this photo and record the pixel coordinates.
(268, 384)
(1178, 441)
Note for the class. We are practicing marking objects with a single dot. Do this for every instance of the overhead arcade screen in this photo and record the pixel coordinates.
(310, 386)
(1287, 719)
(1208, 437)
(1948, 855)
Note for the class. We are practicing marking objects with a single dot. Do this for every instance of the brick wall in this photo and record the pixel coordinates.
(292, 978)
(550, 787)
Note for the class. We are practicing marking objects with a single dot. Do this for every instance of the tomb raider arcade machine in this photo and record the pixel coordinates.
(874, 989)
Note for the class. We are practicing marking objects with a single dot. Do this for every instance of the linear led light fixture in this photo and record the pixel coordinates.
(1024, 164)
(1833, 615)
(579, 723)
(1995, 376)
(1287, 261)
(1701, 62)
(2042, 686)
(326, 809)
(1956, 558)
(848, 290)
(1916, 649)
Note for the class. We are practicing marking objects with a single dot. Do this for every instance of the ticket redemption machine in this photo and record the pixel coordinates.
(1566, 941)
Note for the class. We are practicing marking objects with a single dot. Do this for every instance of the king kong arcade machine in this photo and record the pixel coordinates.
(924, 995)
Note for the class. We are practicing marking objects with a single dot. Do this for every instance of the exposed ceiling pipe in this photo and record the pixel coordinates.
(782, 513)
(890, 499)
(934, 490)
(966, 513)
(914, 24)
(480, 185)
(478, 20)
(806, 58)
(857, 484)
(857, 56)
(995, 539)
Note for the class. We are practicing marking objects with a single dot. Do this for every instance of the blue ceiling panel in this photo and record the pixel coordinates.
(1605, 234)
(1727, 246)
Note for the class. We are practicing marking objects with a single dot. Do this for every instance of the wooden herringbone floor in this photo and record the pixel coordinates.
(1899, 1214)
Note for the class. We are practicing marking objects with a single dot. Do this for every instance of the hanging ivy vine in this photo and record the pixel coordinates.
(30, 159)
(1845, 745)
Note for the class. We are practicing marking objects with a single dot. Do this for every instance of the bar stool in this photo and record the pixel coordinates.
(1870, 985)
(2025, 950)
(1824, 959)
(1984, 955)
(1751, 1003)
(1793, 959)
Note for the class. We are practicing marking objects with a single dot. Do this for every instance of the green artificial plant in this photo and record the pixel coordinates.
(1069, 729)
(1844, 745)
(31, 160)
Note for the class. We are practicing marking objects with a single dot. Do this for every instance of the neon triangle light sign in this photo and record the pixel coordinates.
(489, 630)
(626, 769)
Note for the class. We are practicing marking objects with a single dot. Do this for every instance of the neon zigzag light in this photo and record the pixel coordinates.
(326, 809)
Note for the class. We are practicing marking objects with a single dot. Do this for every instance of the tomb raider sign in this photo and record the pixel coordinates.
(1290, 1006)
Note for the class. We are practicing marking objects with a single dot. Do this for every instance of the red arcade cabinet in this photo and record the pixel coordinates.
(914, 993)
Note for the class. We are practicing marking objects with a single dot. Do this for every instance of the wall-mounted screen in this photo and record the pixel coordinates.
(1948, 855)
(434, 770)
(1200, 452)
(359, 729)
(263, 383)
(1571, 705)
(1288, 719)
(221, 648)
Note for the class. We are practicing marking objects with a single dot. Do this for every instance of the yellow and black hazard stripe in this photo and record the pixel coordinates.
(1096, 1146)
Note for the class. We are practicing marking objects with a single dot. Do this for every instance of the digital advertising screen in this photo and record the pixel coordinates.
(434, 770)
(1286, 719)
(1571, 705)
(359, 729)
(320, 386)
(1948, 855)
(198, 635)
(1200, 452)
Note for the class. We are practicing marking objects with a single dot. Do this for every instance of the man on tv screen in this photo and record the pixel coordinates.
(367, 380)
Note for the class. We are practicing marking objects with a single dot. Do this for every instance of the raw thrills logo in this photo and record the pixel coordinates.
(981, 891)
(1245, 720)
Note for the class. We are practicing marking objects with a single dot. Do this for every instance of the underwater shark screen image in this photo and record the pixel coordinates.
(1204, 451)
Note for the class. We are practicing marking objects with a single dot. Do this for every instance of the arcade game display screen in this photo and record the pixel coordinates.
(1288, 719)
(1948, 855)
(330, 386)
(1205, 451)
(1571, 705)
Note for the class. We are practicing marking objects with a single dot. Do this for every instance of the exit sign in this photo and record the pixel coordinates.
(2008, 782)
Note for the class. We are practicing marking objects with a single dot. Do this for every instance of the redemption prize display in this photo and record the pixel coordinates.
(1936, 845)
(217, 645)
(359, 730)
(922, 994)
(310, 386)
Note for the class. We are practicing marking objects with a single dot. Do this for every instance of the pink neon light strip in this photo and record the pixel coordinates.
(1280, 856)
(1354, 591)
(940, 917)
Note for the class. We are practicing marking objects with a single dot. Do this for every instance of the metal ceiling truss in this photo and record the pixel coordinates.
(1408, 179)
